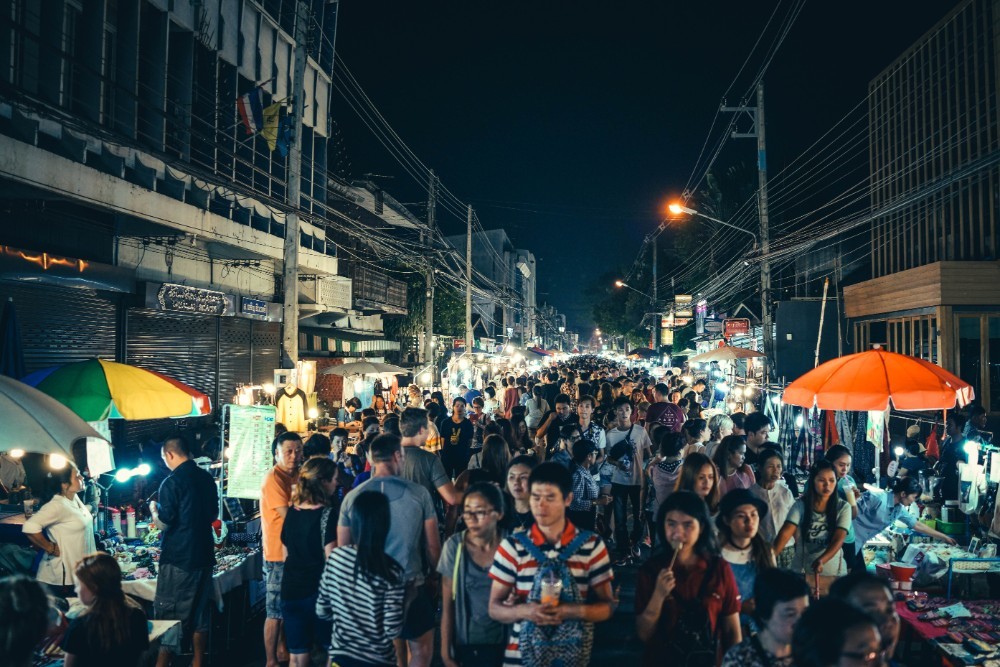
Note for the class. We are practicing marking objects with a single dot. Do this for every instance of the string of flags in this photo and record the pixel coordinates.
(272, 122)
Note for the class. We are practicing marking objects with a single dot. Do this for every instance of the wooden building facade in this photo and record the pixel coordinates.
(934, 137)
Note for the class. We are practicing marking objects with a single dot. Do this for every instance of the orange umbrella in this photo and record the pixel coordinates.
(869, 380)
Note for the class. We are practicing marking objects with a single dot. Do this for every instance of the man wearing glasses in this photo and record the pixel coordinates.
(872, 595)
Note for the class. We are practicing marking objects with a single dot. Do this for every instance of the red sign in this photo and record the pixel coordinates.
(735, 327)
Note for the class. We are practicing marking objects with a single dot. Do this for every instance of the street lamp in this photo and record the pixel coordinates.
(680, 209)
(619, 283)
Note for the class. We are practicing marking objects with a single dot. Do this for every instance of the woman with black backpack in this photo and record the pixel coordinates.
(686, 600)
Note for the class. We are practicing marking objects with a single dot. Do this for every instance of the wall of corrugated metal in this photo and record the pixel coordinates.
(60, 325)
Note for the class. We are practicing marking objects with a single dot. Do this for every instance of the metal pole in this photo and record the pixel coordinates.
(655, 329)
(822, 314)
(765, 265)
(468, 282)
(429, 293)
(290, 271)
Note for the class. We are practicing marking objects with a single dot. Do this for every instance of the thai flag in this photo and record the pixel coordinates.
(251, 108)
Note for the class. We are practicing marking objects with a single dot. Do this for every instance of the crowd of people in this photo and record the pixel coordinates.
(507, 509)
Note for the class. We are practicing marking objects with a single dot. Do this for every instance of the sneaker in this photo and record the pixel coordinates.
(636, 551)
(646, 542)
(623, 561)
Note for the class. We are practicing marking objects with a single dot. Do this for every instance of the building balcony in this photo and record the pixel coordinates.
(373, 291)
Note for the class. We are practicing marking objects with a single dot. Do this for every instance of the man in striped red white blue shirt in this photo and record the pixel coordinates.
(514, 568)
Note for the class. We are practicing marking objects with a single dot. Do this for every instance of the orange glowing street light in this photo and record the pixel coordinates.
(677, 208)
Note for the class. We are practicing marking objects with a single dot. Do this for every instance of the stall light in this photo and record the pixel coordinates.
(480, 357)
(425, 378)
(732, 406)
(229, 452)
(125, 474)
(15, 453)
(687, 379)
(518, 358)
(775, 399)
(463, 363)
(799, 421)
(737, 392)
(313, 413)
(268, 388)
(57, 462)
(899, 451)
(971, 447)
(359, 385)
(724, 388)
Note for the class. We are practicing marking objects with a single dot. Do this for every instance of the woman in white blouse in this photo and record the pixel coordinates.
(62, 527)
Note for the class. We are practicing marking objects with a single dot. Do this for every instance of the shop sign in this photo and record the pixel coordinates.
(686, 312)
(487, 343)
(682, 298)
(682, 321)
(457, 343)
(735, 327)
(666, 337)
(713, 326)
(253, 307)
(187, 299)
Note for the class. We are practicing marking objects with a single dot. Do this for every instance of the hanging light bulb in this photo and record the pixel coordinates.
(313, 413)
(463, 363)
(425, 378)
(359, 385)
(738, 392)
(57, 461)
(15, 453)
(799, 421)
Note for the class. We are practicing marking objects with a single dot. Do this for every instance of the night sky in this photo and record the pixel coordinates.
(570, 123)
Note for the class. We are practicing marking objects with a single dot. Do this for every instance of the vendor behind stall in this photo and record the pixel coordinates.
(877, 510)
(63, 528)
(952, 453)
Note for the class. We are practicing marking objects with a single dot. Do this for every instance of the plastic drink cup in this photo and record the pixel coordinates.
(551, 591)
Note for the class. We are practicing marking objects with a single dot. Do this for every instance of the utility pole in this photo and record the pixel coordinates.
(468, 282)
(765, 242)
(654, 333)
(290, 272)
(429, 294)
(756, 113)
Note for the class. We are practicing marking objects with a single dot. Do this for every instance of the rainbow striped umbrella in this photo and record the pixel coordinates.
(97, 389)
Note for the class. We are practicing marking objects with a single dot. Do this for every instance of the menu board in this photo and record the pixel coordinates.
(251, 432)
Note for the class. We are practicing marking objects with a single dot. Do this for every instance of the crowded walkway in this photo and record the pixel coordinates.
(583, 513)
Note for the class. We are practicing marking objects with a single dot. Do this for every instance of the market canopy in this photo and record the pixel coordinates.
(36, 422)
(725, 353)
(364, 368)
(870, 380)
(97, 389)
(642, 353)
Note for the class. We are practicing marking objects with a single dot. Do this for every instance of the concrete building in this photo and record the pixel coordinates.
(496, 316)
(935, 286)
(142, 221)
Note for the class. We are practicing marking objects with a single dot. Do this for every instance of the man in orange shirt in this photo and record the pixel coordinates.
(275, 497)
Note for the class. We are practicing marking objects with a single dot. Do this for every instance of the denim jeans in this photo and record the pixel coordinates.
(622, 494)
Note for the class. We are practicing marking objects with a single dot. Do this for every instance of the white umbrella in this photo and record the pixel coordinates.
(727, 353)
(365, 368)
(36, 422)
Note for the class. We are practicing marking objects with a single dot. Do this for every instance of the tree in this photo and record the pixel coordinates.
(617, 311)
(449, 311)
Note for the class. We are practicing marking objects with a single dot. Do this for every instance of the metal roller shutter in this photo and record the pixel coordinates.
(182, 346)
(60, 325)
(234, 356)
(266, 345)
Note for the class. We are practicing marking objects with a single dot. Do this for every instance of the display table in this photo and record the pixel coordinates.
(940, 636)
(10, 529)
(231, 573)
